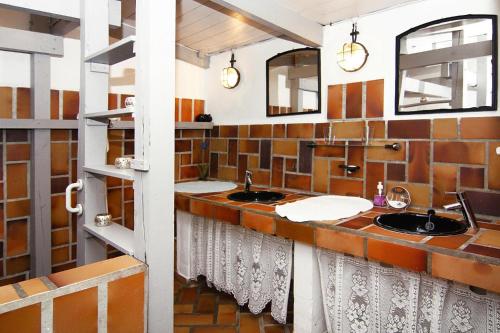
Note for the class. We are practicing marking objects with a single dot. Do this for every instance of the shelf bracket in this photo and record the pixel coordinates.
(391, 146)
(92, 122)
(99, 68)
(140, 165)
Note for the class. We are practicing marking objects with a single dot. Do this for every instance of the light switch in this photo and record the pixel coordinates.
(498, 150)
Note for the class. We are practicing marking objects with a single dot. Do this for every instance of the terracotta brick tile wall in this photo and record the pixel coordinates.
(187, 109)
(15, 174)
(191, 150)
(64, 151)
(14, 205)
(437, 155)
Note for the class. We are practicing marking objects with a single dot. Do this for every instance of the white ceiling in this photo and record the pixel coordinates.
(331, 11)
(210, 29)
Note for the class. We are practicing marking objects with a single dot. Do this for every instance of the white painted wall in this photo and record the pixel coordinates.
(65, 73)
(246, 103)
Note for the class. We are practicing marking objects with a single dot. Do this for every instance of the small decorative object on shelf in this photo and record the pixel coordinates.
(103, 220)
(203, 118)
(203, 170)
(130, 103)
(398, 198)
(328, 134)
(123, 162)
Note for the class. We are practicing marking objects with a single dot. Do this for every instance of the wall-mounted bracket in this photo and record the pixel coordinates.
(394, 146)
(99, 68)
(140, 165)
(100, 122)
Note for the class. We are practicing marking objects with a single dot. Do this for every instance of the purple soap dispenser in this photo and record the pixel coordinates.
(379, 199)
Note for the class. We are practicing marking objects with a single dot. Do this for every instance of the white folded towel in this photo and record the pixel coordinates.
(323, 208)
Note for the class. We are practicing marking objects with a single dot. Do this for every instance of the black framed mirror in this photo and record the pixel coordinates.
(293, 83)
(447, 65)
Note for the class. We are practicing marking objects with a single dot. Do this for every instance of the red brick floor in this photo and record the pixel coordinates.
(201, 309)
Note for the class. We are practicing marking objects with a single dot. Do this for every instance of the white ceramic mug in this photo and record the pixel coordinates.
(123, 162)
(130, 102)
(103, 220)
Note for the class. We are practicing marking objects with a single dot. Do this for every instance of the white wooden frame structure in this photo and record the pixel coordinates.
(153, 236)
(40, 47)
(154, 47)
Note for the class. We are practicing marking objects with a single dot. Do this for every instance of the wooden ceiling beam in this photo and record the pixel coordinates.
(270, 15)
(191, 56)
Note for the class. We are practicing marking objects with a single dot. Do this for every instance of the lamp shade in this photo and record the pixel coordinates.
(353, 55)
(230, 76)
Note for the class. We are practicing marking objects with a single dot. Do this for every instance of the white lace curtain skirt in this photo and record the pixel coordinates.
(361, 296)
(254, 267)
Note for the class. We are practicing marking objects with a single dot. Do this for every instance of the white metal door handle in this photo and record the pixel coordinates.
(77, 186)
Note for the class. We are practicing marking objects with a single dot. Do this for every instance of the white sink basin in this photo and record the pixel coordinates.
(323, 208)
(203, 186)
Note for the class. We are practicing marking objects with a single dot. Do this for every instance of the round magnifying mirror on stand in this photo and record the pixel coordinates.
(398, 198)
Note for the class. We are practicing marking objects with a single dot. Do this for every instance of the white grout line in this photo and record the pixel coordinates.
(344, 101)
(47, 316)
(61, 101)
(14, 103)
(49, 284)
(363, 100)
(102, 307)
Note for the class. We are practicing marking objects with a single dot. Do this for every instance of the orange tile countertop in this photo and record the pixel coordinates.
(472, 259)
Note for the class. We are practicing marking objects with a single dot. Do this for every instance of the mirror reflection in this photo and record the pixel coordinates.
(293, 83)
(447, 65)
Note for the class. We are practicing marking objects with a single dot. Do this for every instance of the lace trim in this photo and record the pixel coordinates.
(255, 268)
(361, 296)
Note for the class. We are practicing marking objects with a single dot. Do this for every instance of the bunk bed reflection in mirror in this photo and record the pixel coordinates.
(293, 83)
(448, 65)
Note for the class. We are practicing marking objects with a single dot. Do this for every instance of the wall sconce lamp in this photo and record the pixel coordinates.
(230, 75)
(352, 56)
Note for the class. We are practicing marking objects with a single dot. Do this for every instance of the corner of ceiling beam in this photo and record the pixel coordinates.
(192, 57)
(279, 19)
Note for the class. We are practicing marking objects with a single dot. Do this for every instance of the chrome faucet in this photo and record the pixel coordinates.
(248, 180)
(463, 204)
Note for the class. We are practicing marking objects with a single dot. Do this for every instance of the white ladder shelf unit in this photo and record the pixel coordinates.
(115, 235)
(151, 241)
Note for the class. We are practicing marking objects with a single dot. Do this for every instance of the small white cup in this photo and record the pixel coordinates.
(103, 220)
(123, 162)
(130, 102)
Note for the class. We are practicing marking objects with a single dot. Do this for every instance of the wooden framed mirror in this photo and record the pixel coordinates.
(447, 65)
(293, 83)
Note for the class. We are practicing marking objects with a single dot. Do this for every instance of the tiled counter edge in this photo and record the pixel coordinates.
(400, 250)
(100, 290)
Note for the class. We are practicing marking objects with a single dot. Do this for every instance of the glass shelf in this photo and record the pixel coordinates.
(394, 146)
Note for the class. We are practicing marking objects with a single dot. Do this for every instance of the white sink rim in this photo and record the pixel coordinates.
(204, 186)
